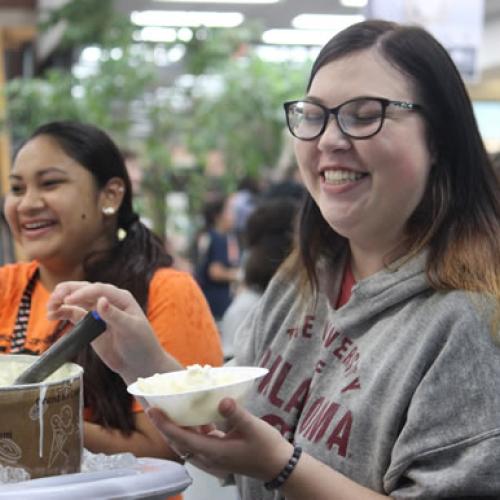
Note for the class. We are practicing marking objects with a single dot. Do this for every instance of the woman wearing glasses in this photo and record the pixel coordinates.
(379, 331)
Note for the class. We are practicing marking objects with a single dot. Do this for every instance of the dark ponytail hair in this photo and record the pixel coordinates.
(130, 263)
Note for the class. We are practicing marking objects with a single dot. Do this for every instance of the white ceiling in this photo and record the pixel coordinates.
(277, 15)
(280, 15)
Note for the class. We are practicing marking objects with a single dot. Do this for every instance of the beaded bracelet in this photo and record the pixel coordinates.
(280, 479)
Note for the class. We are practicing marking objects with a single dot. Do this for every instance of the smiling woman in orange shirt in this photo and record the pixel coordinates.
(69, 207)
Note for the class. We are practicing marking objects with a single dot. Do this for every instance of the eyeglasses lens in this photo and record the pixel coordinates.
(306, 119)
(359, 118)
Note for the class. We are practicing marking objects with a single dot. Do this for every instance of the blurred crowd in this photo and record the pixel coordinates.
(246, 236)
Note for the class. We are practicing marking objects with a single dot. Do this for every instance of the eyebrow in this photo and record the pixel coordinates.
(311, 98)
(41, 173)
(318, 100)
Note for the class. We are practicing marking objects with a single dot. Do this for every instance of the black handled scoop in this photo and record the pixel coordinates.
(84, 332)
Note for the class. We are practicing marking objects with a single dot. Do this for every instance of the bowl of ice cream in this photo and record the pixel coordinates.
(192, 396)
(40, 424)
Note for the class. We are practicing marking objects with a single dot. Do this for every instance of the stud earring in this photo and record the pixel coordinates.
(108, 210)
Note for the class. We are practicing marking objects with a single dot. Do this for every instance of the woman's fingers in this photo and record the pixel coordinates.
(178, 436)
(239, 421)
(116, 320)
(113, 315)
(216, 433)
(234, 451)
(86, 295)
(162, 422)
(158, 417)
(122, 299)
(187, 442)
(61, 291)
(74, 306)
(68, 313)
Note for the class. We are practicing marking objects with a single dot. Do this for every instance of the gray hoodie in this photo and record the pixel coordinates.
(398, 389)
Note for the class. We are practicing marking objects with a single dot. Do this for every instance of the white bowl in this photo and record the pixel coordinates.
(199, 406)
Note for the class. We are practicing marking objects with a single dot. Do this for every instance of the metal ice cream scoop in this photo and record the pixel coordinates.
(84, 332)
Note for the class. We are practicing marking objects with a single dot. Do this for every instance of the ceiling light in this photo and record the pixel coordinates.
(155, 34)
(289, 53)
(325, 21)
(249, 2)
(297, 37)
(190, 19)
(354, 3)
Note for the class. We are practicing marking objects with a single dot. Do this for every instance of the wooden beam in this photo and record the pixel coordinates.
(15, 36)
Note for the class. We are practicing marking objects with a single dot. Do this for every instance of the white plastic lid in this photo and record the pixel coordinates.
(150, 478)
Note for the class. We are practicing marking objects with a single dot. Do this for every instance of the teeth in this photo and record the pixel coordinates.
(340, 176)
(36, 225)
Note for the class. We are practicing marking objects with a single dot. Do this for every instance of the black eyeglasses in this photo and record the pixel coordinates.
(359, 118)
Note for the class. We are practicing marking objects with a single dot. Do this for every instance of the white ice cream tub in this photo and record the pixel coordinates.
(41, 425)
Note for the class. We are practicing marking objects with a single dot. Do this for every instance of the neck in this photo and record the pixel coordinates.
(372, 251)
(50, 276)
(365, 262)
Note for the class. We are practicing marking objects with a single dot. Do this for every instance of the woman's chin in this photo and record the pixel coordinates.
(344, 227)
(41, 256)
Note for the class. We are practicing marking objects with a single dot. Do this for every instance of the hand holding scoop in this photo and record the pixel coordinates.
(84, 332)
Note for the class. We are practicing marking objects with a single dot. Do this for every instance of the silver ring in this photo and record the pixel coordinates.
(186, 456)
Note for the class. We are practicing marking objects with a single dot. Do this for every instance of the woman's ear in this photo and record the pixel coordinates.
(111, 195)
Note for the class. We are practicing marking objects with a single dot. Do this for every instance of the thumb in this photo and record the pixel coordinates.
(73, 314)
(112, 315)
(237, 418)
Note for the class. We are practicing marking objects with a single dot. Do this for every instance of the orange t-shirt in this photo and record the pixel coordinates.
(177, 311)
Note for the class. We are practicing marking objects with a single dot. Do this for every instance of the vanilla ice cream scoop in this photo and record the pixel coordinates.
(192, 396)
(193, 378)
(11, 370)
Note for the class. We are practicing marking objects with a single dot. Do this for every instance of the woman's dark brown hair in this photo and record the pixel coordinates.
(458, 219)
(129, 263)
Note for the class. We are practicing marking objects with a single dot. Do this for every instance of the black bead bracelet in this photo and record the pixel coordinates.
(280, 479)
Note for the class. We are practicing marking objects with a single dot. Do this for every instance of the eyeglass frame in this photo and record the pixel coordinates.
(385, 103)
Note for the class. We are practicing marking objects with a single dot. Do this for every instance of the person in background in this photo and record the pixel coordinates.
(289, 189)
(268, 240)
(218, 255)
(244, 202)
(70, 209)
(381, 331)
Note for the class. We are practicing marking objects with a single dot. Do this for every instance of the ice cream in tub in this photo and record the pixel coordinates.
(41, 425)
